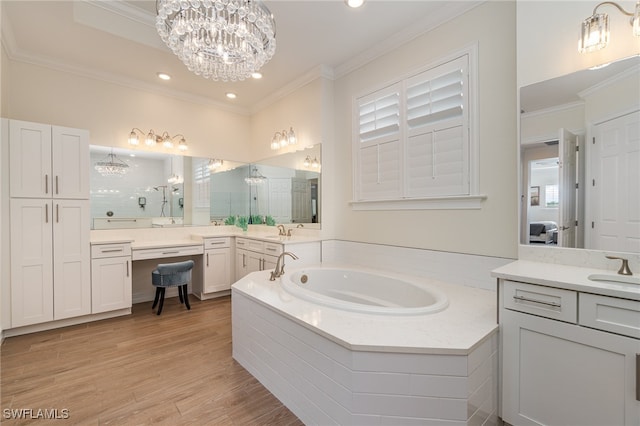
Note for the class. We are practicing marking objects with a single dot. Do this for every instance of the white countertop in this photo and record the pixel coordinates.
(566, 277)
(469, 319)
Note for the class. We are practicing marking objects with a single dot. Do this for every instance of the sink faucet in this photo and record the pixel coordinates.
(279, 270)
(281, 230)
(624, 268)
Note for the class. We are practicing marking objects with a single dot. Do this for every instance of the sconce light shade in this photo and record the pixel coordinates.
(594, 33)
(151, 139)
(214, 163)
(283, 139)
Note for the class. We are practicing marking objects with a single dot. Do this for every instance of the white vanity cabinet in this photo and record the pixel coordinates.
(255, 255)
(50, 269)
(568, 357)
(49, 222)
(258, 255)
(110, 277)
(48, 161)
(217, 268)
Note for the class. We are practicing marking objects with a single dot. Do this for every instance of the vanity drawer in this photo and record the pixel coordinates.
(159, 253)
(218, 242)
(554, 303)
(110, 250)
(272, 249)
(249, 244)
(611, 314)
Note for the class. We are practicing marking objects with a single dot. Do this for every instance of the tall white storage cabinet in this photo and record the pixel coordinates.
(50, 252)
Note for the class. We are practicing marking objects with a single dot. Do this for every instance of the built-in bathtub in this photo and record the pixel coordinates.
(331, 365)
(362, 291)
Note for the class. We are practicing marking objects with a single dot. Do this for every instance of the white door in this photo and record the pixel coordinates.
(300, 201)
(567, 149)
(71, 258)
(30, 159)
(615, 190)
(31, 262)
(280, 199)
(70, 152)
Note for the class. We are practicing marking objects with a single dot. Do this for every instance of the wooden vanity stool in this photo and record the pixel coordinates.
(176, 274)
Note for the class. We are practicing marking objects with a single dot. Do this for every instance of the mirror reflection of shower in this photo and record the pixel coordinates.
(165, 188)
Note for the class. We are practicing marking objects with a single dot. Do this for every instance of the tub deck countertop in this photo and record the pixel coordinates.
(469, 320)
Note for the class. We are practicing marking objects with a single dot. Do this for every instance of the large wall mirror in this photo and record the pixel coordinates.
(159, 189)
(580, 159)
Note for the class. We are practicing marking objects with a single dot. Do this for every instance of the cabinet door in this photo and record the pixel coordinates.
(562, 374)
(247, 262)
(30, 159)
(217, 270)
(70, 153)
(71, 258)
(110, 284)
(31, 261)
(269, 262)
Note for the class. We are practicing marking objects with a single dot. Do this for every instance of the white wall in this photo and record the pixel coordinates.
(492, 230)
(109, 111)
(300, 109)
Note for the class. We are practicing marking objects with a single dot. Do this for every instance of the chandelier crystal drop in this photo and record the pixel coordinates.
(224, 40)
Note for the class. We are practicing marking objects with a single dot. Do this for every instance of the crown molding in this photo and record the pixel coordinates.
(321, 71)
(553, 109)
(119, 80)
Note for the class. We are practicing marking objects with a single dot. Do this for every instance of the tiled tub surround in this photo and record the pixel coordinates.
(335, 367)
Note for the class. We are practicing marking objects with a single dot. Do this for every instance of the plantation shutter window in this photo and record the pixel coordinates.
(412, 140)
(378, 150)
(437, 161)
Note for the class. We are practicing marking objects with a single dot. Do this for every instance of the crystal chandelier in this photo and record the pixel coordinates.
(224, 40)
(255, 177)
(111, 166)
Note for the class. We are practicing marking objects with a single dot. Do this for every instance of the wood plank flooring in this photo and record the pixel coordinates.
(171, 369)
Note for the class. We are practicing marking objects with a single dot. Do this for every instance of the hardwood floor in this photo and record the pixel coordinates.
(175, 368)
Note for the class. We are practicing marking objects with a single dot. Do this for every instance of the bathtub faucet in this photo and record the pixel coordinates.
(279, 270)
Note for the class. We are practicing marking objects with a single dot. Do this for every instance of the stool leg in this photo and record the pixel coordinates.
(162, 289)
(180, 294)
(186, 296)
(155, 299)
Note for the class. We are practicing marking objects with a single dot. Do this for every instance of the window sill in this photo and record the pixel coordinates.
(463, 202)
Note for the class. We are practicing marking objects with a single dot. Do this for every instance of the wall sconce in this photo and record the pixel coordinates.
(284, 138)
(315, 164)
(142, 201)
(175, 179)
(594, 31)
(214, 164)
(151, 139)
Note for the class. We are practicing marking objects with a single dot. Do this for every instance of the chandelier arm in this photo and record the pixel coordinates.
(612, 4)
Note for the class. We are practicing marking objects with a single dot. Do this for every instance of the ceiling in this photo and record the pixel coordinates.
(117, 41)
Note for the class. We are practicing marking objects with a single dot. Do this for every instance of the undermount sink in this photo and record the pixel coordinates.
(618, 279)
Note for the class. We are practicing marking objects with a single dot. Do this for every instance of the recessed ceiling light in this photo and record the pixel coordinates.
(164, 76)
(231, 95)
(256, 75)
(354, 3)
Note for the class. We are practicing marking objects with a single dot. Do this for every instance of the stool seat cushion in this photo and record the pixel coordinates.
(172, 274)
